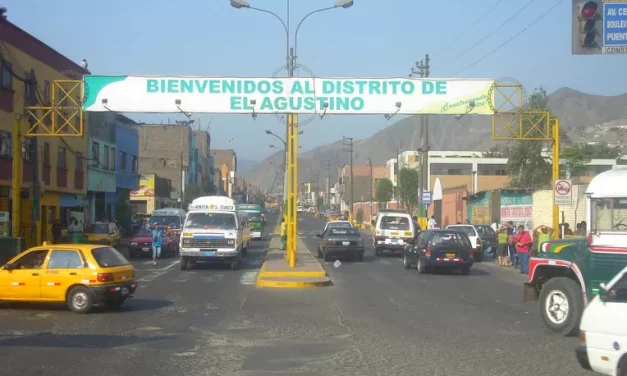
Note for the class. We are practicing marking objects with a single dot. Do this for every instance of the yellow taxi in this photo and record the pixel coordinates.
(103, 233)
(81, 275)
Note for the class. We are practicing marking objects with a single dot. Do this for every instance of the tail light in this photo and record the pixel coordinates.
(589, 239)
(428, 252)
(105, 277)
(478, 242)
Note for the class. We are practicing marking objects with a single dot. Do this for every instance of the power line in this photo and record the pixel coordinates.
(510, 39)
(470, 27)
(485, 37)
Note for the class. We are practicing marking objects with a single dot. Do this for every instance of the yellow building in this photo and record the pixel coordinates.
(153, 193)
(61, 160)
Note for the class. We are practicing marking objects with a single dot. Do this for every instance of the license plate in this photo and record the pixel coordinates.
(145, 249)
(346, 243)
(394, 240)
(394, 233)
(208, 253)
(450, 255)
(124, 291)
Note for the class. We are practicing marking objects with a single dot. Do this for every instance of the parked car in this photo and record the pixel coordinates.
(439, 249)
(340, 242)
(141, 244)
(473, 234)
(81, 275)
(488, 238)
(102, 233)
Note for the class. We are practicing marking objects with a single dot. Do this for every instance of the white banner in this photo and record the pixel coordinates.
(284, 95)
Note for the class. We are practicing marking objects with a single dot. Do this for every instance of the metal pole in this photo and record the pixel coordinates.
(17, 175)
(425, 166)
(370, 190)
(556, 173)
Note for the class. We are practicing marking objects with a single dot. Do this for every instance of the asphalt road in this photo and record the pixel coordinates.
(377, 319)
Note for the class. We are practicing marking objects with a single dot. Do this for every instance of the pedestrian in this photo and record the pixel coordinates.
(581, 229)
(283, 234)
(523, 245)
(502, 246)
(157, 242)
(543, 234)
(566, 230)
(56, 232)
(416, 225)
(511, 244)
(432, 222)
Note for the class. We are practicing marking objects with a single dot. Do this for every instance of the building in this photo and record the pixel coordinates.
(364, 184)
(166, 151)
(153, 193)
(225, 162)
(101, 168)
(127, 143)
(60, 160)
(204, 159)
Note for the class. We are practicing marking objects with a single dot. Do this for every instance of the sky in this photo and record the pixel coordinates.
(373, 38)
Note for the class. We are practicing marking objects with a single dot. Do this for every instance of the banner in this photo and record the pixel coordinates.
(228, 95)
(146, 186)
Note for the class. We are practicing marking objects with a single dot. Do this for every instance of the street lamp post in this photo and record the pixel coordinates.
(370, 163)
(292, 122)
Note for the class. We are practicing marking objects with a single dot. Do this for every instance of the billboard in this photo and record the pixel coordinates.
(146, 186)
(314, 95)
(599, 27)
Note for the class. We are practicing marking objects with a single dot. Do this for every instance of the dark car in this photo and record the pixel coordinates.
(141, 244)
(340, 242)
(488, 238)
(439, 249)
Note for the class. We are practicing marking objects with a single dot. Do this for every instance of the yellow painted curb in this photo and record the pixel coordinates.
(293, 274)
(261, 282)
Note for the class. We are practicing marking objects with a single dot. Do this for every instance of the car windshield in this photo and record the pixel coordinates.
(468, 230)
(143, 233)
(394, 223)
(339, 225)
(166, 220)
(254, 217)
(485, 230)
(223, 221)
(451, 238)
(108, 257)
(343, 231)
(97, 228)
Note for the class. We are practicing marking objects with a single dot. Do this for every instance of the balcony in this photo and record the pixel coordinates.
(61, 178)
(46, 175)
(79, 178)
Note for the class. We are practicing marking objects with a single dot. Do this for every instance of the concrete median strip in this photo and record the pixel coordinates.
(276, 273)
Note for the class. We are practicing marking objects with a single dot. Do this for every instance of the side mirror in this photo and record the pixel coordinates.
(603, 293)
(7, 267)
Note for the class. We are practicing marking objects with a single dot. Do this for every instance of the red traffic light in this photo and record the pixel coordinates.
(589, 10)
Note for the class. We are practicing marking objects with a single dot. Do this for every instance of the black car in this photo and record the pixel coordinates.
(439, 249)
(340, 242)
(488, 237)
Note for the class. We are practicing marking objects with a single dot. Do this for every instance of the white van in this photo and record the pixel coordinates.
(213, 230)
(393, 230)
(172, 217)
(603, 329)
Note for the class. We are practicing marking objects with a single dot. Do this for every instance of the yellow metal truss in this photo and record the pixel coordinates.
(63, 117)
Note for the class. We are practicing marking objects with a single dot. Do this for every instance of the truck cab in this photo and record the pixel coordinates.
(568, 273)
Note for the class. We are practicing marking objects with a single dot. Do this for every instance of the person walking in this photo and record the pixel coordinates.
(523, 245)
(157, 242)
(502, 246)
(283, 234)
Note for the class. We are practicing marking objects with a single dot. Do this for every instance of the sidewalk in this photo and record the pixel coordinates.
(276, 273)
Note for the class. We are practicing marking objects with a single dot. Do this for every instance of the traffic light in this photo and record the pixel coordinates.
(587, 27)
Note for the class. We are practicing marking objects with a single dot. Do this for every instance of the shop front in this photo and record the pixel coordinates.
(72, 209)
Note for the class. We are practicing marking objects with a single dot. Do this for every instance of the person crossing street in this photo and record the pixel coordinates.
(157, 242)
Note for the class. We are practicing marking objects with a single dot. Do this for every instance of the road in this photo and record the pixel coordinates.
(377, 319)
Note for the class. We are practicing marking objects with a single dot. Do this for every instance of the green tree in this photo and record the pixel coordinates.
(576, 160)
(526, 165)
(384, 191)
(408, 188)
(496, 152)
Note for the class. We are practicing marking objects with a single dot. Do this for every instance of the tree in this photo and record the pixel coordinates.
(496, 152)
(576, 160)
(526, 164)
(384, 191)
(408, 188)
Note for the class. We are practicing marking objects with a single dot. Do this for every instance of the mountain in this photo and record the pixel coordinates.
(245, 165)
(577, 112)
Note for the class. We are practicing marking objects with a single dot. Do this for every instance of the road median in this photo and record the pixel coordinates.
(275, 272)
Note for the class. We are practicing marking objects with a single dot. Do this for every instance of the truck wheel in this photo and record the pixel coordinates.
(561, 305)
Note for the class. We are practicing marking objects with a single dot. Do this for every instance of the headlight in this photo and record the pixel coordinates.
(231, 242)
(133, 243)
(187, 241)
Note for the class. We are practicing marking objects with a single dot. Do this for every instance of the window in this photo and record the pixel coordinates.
(451, 168)
(609, 214)
(134, 166)
(79, 162)
(6, 75)
(112, 162)
(108, 257)
(390, 222)
(492, 169)
(95, 154)
(65, 260)
(27, 87)
(122, 160)
(46, 157)
(27, 145)
(31, 260)
(62, 159)
(6, 144)
(618, 293)
(468, 230)
(47, 92)
(452, 237)
(105, 160)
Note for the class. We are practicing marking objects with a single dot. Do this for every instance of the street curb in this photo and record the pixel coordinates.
(283, 283)
(291, 274)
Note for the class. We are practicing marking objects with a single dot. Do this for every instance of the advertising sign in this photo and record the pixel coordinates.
(146, 186)
(231, 95)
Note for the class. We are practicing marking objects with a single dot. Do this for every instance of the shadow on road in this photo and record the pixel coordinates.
(131, 305)
(78, 341)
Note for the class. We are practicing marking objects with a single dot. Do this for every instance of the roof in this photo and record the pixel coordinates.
(612, 183)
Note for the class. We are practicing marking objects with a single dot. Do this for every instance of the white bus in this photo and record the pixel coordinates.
(213, 230)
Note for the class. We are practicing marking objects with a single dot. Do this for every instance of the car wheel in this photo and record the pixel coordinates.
(115, 303)
(80, 299)
(465, 271)
(478, 256)
(421, 266)
(406, 263)
(319, 253)
(561, 304)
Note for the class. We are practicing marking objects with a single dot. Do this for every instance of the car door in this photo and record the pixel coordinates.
(64, 268)
(421, 244)
(22, 279)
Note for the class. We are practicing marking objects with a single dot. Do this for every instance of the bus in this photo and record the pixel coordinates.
(256, 219)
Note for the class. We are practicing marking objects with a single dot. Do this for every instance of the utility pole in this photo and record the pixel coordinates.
(424, 184)
(348, 147)
(370, 163)
(327, 165)
(33, 153)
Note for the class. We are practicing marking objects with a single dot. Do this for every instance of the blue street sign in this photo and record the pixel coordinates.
(425, 197)
(615, 26)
